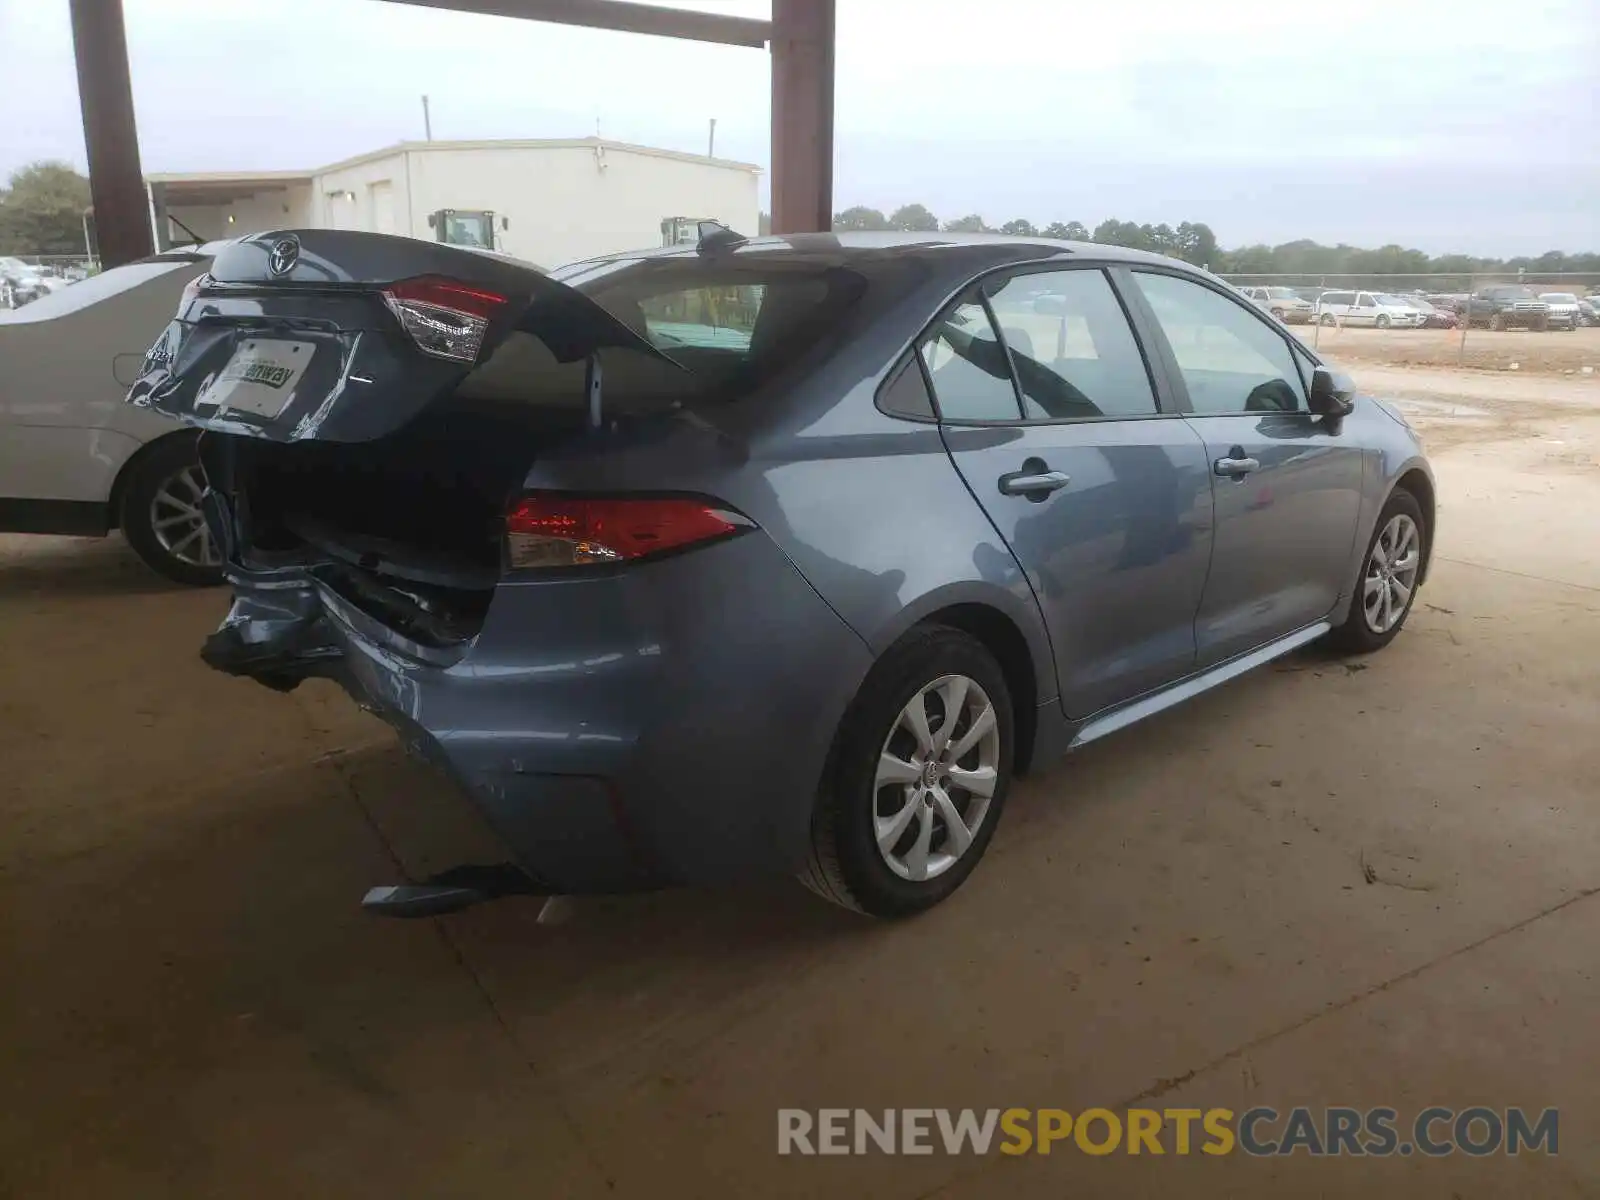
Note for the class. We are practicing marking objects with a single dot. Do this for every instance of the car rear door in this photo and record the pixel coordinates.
(1336, 303)
(1286, 484)
(1050, 413)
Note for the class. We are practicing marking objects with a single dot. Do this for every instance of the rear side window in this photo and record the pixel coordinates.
(1072, 348)
(906, 395)
(967, 367)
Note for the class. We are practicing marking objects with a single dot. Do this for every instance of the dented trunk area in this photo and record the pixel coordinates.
(408, 527)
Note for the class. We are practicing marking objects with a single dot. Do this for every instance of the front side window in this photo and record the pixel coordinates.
(967, 367)
(1365, 301)
(1231, 361)
(1074, 353)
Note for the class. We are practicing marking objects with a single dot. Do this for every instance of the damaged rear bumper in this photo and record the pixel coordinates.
(614, 734)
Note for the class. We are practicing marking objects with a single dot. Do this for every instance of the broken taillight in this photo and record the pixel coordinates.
(553, 529)
(444, 318)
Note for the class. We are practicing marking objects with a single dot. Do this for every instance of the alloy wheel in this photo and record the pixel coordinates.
(178, 521)
(1391, 574)
(936, 775)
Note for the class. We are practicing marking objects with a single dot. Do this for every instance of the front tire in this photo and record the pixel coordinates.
(917, 779)
(1386, 586)
(161, 516)
(1326, 319)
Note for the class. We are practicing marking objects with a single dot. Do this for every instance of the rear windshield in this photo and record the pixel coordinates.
(730, 327)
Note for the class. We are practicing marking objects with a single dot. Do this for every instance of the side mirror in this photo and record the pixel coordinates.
(1331, 395)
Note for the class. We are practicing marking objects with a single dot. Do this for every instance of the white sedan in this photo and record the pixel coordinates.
(74, 459)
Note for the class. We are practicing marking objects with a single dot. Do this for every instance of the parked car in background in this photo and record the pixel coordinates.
(21, 283)
(1564, 310)
(74, 459)
(1506, 306)
(1377, 309)
(1282, 302)
(799, 600)
(1434, 316)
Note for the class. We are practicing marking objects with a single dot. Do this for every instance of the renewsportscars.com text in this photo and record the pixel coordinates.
(1259, 1132)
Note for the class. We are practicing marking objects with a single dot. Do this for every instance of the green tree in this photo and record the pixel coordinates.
(914, 218)
(41, 210)
(1019, 228)
(1071, 231)
(971, 223)
(860, 217)
(1197, 244)
(1112, 232)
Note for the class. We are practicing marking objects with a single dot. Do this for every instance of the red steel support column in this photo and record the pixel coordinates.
(802, 116)
(121, 208)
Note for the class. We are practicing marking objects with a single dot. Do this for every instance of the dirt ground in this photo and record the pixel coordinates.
(1552, 352)
(1361, 883)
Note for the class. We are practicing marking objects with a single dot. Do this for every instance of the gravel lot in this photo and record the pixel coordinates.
(1551, 352)
(1366, 882)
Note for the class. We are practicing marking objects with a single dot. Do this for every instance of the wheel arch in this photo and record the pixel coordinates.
(119, 485)
(1001, 637)
(1419, 484)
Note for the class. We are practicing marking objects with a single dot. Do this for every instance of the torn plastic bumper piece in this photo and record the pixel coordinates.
(451, 891)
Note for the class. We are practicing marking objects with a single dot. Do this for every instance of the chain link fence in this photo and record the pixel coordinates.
(1440, 318)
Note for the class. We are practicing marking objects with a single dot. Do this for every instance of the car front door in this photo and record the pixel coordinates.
(1049, 411)
(1286, 484)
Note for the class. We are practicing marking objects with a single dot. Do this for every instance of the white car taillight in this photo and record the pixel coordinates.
(444, 318)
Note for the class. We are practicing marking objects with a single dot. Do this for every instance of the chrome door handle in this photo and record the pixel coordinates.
(1033, 484)
(1235, 468)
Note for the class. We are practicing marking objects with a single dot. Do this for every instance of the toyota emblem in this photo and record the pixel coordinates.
(284, 254)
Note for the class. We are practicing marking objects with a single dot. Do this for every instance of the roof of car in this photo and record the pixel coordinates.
(830, 245)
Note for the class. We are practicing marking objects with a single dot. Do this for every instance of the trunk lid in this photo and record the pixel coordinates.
(320, 334)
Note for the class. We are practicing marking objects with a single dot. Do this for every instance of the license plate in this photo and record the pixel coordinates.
(260, 377)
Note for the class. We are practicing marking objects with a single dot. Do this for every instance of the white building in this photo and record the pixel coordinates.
(553, 201)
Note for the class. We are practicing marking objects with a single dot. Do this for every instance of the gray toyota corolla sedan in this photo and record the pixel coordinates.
(770, 555)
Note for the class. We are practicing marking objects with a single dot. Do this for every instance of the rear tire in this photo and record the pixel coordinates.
(1497, 322)
(1383, 321)
(1377, 613)
(163, 484)
(1326, 319)
(881, 770)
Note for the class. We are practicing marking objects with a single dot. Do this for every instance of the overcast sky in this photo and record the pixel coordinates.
(1469, 125)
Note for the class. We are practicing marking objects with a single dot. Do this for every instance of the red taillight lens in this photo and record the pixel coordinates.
(445, 318)
(549, 529)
